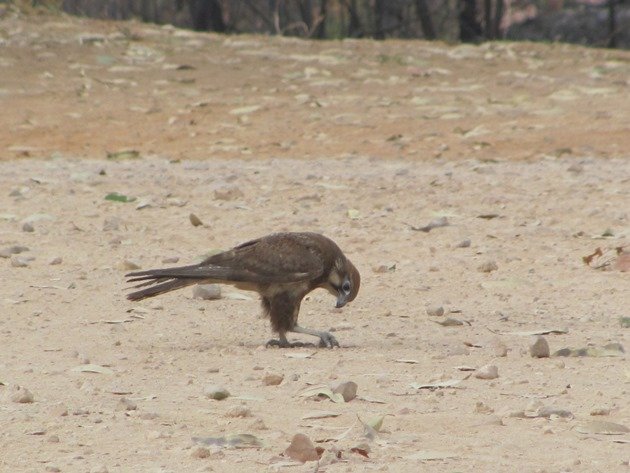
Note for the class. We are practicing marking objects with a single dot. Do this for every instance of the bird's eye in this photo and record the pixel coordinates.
(346, 287)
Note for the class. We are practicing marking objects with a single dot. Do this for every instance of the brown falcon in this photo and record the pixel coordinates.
(282, 268)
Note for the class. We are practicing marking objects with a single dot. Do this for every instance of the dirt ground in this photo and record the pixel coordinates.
(522, 148)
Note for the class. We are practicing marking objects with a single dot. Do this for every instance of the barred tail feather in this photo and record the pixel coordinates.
(160, 288)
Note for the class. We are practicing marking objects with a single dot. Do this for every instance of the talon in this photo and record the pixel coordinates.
(327, 340)
(281, 344)
(276, 343)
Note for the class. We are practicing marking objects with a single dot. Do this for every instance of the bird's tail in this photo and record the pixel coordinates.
(164, 280)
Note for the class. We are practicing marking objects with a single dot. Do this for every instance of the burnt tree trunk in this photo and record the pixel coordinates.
(379, 18)
(470, 30)
(424, 14)
(207, 15)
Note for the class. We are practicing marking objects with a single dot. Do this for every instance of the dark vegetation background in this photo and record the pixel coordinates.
(601, 23)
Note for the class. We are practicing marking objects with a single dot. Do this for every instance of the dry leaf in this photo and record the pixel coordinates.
(89, 368)
(602, 427)
(320, 415)
(451, 383)
(322, 391)
(232, 440)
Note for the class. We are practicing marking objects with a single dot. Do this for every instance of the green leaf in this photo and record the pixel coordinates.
(116, 197)
(123, 155)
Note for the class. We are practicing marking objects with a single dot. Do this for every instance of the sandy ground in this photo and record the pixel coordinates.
(522, 148)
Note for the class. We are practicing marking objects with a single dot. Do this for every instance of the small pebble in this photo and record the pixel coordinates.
(238, 411)
(272, 379)
(348, 389)
(28, 227)
(258, 424)
(463, 244)
(126, 405)
(55, 261)
(228, 192)
(301, 449)
(487, 267)
(435, 310)
(207, 292)
(19, 261)
(483, 408)
(170, 260)
(215, 392)
(194, 220)
(600, 411)
(128, 265)
(200, 452)
(53, 439)
(53, 469)
(12, 250)
(498, 348)
(21, 395)
(538, 347)
(487, 372)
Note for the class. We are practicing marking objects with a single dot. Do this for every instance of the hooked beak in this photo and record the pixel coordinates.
(342, 299)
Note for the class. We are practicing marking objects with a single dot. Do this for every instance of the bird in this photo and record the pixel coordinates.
(282, 267)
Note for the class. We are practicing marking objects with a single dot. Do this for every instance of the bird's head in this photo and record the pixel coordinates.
(344, 281)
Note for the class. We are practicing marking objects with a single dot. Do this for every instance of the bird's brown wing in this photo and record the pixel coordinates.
(277, 258)
(274, 259)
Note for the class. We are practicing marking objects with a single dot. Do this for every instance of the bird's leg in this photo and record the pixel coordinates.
(326, 339)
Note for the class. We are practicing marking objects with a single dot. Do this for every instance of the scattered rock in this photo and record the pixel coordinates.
(55, 261)
(200, 452)
(12, 250)
(126, 405)
(21, 395)
(272, 379)
(538, 347)
(19, 261)
(435, 223)
(28, 227)
(302, 449)
(170, 260)
(216, 392)
(348, 389)
(498, 348)
(483, 408)
(600, 411)
(128, 265)
(487, 267)
(463, 244)
(196, 221)
(487, 372)
(435, 310)
(207, 292)
(228, 192)
(258, 424)
(53, 468)
(238, 411)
